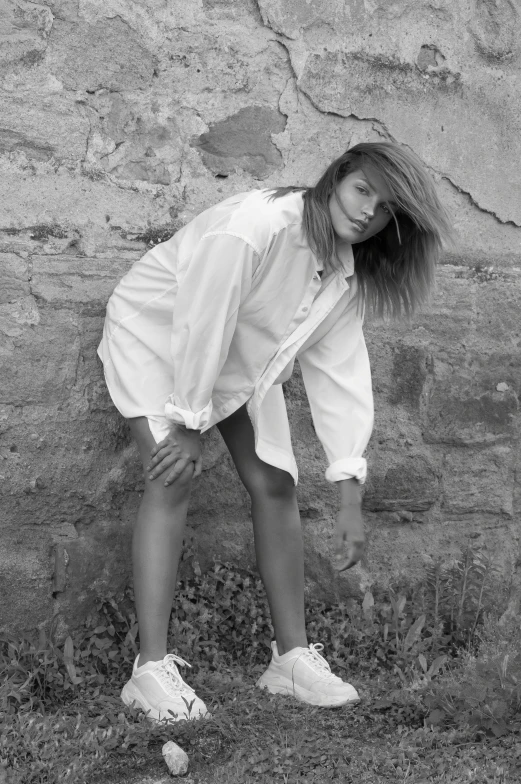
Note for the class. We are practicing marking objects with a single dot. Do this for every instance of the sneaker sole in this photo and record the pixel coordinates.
(281, 686)
(131, 695)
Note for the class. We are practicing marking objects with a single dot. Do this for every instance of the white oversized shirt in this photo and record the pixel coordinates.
(215, 317)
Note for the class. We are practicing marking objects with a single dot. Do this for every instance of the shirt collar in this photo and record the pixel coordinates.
(345, 254)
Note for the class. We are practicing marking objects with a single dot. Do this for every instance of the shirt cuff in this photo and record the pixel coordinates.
(348, 468)
(182, 416)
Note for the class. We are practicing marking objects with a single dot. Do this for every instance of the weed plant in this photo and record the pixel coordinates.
(61, 718)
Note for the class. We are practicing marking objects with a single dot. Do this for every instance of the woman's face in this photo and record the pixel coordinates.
(360, 206)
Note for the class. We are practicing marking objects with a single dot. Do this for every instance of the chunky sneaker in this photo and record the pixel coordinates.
(305, 674)
(158, 689)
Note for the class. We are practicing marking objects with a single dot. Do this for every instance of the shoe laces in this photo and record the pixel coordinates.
(317, 662)
(169, 676)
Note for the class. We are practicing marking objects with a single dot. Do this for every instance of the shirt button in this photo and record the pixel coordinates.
(305, 310)
(225, 409)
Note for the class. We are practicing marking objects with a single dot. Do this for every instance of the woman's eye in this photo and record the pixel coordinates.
(386, 209)
(362, 190)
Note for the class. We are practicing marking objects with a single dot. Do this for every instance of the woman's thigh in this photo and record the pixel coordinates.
(258, 477)
(180, 488)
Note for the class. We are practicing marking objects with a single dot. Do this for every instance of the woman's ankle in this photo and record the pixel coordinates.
(149, 656)
(286, 645)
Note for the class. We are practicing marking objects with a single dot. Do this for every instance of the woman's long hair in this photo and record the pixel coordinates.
(395, 268)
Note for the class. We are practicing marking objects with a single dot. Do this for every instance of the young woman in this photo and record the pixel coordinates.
(204, 329)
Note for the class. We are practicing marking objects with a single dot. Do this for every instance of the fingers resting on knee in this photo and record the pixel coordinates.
(180, 485)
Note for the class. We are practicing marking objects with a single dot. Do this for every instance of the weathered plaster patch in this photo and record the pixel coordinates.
(496, 28)
(243, 141)
(42, 128)
(24, 32)
(108, 54)
(290, 17)
(420, 111)
(480, 207)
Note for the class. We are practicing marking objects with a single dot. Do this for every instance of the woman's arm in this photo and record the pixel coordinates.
(350, 536)
(337, 378)
(212, 286)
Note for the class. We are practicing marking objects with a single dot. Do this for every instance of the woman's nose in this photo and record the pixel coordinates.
(370, 207)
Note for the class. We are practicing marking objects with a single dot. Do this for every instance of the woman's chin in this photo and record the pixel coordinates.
(350, 237)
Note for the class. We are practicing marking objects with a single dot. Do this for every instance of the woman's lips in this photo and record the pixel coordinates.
(359, 225)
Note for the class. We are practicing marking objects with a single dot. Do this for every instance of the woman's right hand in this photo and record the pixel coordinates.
(180, 448)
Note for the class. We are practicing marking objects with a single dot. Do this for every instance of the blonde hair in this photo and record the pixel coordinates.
(394, 268)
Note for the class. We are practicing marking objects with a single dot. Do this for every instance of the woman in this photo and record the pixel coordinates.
(204, 329)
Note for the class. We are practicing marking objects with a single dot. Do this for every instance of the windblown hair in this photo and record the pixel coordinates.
(394, 268)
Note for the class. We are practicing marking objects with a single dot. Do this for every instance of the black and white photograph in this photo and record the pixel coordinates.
(260, 372)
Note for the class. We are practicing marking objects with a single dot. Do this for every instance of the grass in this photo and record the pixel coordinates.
(438, 676)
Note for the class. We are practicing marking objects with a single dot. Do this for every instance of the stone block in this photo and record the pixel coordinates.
(479, 481)
(498, 312)
(91, 209)
(76, 281)
(409, 372)
(499, 366)
(38, 362)
(457, 413)
(410, 483)
(98, 561)
(448, 319)
(26, 569)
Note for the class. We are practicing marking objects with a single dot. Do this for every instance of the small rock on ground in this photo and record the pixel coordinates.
(176, 759)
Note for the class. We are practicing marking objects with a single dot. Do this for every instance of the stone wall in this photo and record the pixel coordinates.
(119, 121)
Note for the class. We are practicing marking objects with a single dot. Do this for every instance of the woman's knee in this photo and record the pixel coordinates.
(178, 492)
(270, 482)
(260, 479)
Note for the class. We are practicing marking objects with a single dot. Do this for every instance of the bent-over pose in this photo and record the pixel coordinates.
(204, 329)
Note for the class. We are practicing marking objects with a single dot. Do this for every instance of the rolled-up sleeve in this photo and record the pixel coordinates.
(337, 378)
(212, 285)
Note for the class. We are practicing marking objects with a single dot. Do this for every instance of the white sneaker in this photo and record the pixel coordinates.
(158, 689)
(305, 674)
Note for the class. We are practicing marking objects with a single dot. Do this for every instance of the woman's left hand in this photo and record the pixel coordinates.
(350, 537)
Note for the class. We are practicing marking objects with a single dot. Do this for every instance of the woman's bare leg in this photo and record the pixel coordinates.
(277, 531)
(156, 548)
